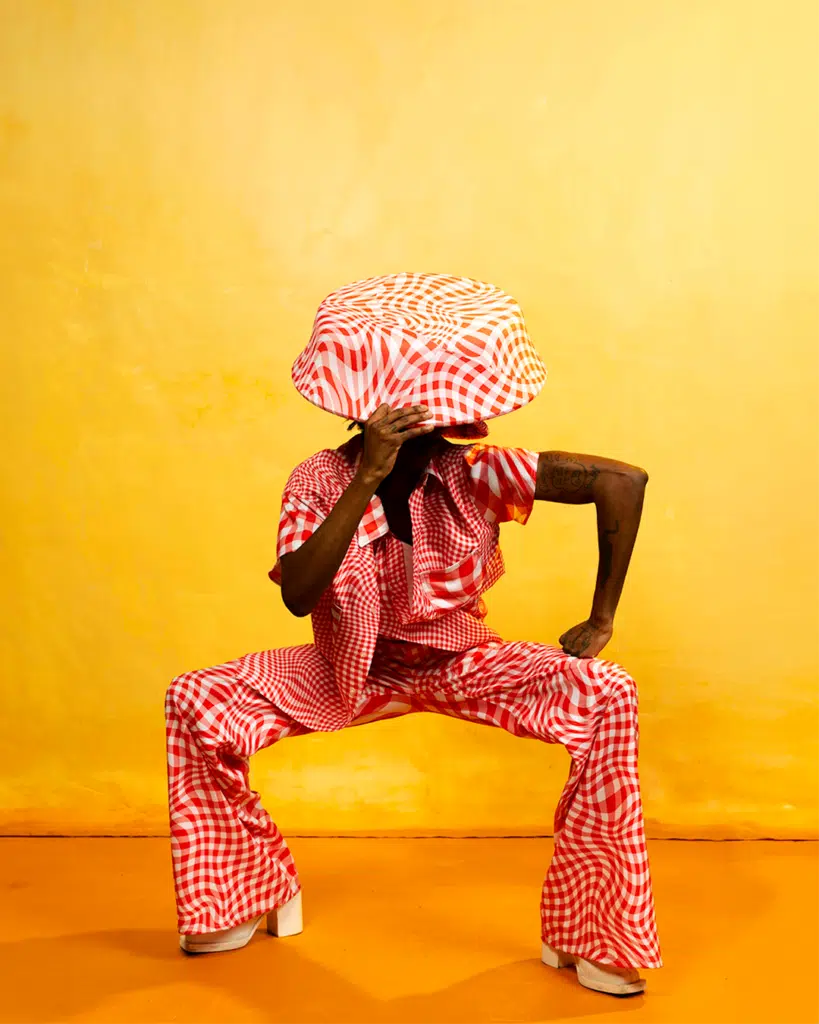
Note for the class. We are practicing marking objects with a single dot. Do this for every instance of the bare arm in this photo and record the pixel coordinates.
(617, 491)
(309, 570)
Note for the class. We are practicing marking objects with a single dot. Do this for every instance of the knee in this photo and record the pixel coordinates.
(623, 685)
(182, 693)
(613, 680)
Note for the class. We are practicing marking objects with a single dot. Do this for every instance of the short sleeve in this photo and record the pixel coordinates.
(297, 523)
(503, 481)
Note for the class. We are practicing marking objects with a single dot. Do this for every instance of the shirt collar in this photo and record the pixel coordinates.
(374, 521)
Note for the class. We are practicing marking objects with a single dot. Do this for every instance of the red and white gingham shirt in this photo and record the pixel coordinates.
(466, 492)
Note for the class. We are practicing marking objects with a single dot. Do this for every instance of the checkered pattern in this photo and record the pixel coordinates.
(503, 481)
(499, 481)
(454, 561)
(381, 651)
(458, 346)
(231, 863)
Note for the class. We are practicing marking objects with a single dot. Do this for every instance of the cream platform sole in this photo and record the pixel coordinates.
(614, 981)
(283, 921)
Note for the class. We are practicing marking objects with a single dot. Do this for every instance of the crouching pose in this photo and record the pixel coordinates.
(390, 542)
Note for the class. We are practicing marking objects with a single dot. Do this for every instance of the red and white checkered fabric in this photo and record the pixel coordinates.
(232, 864)
(454, 560)
(380, 653)
(500, 481)
(459, 347)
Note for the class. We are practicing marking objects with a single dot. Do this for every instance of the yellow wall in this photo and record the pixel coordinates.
(181, 181)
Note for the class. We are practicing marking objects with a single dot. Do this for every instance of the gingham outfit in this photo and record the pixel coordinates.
(386, 645)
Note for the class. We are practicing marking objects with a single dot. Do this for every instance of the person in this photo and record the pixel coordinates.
(390, 542)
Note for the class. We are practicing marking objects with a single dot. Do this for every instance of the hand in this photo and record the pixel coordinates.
(384, 433)
(586, 640)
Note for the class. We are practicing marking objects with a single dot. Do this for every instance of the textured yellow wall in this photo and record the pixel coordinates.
(182, 182)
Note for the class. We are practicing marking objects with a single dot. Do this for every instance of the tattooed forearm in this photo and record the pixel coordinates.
(619, 506)
(606, 548)
(617, 490)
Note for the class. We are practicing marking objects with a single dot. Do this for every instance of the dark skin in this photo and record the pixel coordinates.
(397, 446)
(617, 490)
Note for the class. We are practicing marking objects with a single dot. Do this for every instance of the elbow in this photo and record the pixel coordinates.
(639, 477)
(296, 607)
(300, 611)
(295, 599)
(627, 482)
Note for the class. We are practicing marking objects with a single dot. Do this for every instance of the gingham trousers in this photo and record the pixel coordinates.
(230, 860)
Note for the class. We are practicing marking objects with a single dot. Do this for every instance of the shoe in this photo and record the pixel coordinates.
(614, 981)
(282, 922)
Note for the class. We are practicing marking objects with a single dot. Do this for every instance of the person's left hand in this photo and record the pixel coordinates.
(586, 640)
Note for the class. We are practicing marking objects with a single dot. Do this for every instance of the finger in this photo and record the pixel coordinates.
(581, 644)
(572, 643)
(399, 431)
(380, 413)
(410, 420)
(407, 435)
(395, 415)
(402, 410)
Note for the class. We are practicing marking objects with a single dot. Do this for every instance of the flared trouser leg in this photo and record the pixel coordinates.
(597, 899)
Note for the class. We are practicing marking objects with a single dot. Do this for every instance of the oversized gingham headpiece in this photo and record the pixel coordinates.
(457, 346)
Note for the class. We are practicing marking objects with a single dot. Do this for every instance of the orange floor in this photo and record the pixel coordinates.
(401, 930)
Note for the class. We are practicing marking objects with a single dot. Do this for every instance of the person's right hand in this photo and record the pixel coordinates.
(384, 433)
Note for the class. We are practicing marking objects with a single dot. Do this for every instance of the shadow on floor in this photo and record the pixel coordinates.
(75, 974)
